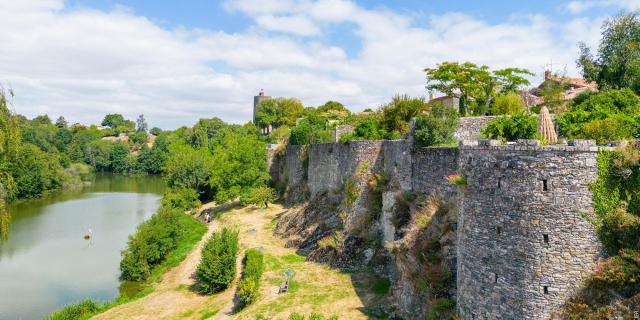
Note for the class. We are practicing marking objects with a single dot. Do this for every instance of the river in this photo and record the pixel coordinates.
(46, 263)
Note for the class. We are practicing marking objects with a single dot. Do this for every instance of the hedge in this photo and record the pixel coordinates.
(217, 268)
(250, 282)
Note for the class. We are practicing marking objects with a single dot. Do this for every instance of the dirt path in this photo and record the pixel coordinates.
(172, 295)
(315, 287)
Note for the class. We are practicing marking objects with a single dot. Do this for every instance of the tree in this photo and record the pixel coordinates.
(113, 120)
(509, 103)
(61, 122)
(43, 119)
(518, 126)
(260, 196)
(141, 123)
(155, 131)
(474, 85)
(279, 111)
(187, 167)
(617, 62)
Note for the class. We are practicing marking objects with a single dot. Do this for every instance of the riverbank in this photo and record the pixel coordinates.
(315, 288)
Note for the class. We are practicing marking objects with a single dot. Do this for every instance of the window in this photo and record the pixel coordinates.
(499, 183)
(499, 230)
(545, 237)
(495, 278)
(545, 185)
(545, 289)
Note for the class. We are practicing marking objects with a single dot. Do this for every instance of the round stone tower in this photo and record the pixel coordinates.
(524, 245)
(256, 102)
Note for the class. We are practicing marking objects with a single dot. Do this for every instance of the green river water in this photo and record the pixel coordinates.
(46, 263)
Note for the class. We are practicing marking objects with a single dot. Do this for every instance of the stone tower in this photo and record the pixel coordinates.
(256, 103)
(524, 246)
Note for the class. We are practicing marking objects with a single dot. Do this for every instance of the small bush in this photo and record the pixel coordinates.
(250, 282)
(80, 310)
(509, 103)
(518, 126)
(217, 267)
(182, 199)
(442, 308)
(260, 196)
(351, 191)
(436, 128)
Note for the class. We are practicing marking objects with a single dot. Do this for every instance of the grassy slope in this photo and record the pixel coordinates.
(87, 308)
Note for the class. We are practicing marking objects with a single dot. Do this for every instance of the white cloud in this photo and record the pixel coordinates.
(84, 63)
(584, 5)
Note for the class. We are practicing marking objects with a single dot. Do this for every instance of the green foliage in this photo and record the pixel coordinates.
(240, 166)
(604, 116)
(441, 308)
(278, 111)
(250, 282)
(150, 245)
(397, 113)
(617, 62)
(113, 120)
(509, 103)
(518, 126)
(381, 286)
(311, 129)
(217, 267)
(181, 199)
(351, 190)
(475, 85)
(155, 131)
(437, 127)
(138, 138)
(187, 167)
(76, 311)
(260, 196)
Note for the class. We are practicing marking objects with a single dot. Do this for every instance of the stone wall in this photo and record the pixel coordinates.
(470, 128)
(523, 244)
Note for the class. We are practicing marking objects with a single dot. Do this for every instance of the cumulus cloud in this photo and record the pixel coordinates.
(83, 63)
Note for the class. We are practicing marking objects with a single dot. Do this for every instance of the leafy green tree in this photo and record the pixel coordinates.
(119, 158)
(437, 127)
(43, 119)
(217, 268)
(35, 172)
(187, 167)
(139, 138)
(279, 111)
(61, 122)
(260, 196)
(155, 131)
(113, 120)
(240, 166)
(617, 62)
(250, 282)
(474, 84)
(181, 199)
(311, 129)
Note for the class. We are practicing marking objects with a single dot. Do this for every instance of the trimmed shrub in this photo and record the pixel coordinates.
(217, 267)
(250, 282)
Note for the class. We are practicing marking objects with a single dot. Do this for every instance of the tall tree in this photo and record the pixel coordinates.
(141, 123)
(61, 122)
(616, 65)
(113, 120)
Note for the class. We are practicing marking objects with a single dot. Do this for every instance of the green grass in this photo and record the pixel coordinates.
(293, 258)
(194, 231)
(206, 314)
(272, 224)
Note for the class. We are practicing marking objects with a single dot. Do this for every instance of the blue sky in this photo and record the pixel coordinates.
(177, 61)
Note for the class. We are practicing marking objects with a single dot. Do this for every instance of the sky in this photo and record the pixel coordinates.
(179, 61)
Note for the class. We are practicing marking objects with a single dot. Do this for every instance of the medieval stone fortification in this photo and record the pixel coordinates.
(521, 244)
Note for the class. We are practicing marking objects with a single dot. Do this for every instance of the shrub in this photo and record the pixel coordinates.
(397, 113)
(250, 282)
(80, 310)
(217, 267)
(518, 126)
(150, 245)
(441, 308)
(614, 128)
(509, 103)
(351, 191)
(182, 199)
(620, 229)
(436, 128)
(621, 272)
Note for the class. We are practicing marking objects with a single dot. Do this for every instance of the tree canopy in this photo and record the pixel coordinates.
(616, 65)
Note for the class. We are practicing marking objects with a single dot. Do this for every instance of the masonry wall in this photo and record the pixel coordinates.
(470, 128)
(431, 166)
(523, 245)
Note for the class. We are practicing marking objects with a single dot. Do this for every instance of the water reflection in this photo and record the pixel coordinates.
(46, 263)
